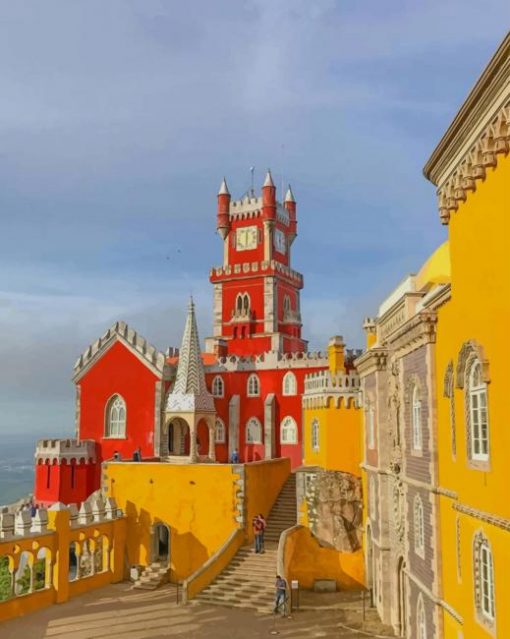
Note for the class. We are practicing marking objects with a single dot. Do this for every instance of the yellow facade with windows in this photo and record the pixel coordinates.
(471, 168)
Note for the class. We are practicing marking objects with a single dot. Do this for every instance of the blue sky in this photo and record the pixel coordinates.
(118, 120)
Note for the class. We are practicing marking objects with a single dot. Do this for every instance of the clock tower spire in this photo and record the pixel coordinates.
(256, 292)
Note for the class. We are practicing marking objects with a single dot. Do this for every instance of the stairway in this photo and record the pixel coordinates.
(248, 581)
(152, 576)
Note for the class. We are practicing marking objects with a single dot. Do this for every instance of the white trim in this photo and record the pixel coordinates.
(253, 386)
(315, 435)
(288, 426)
(250, 436)
(289, 384)
(121, 429)
(218, 382)
(417, 420)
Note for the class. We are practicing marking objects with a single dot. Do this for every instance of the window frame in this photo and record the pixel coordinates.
(253, 378)
(223, 438)
(478, 428)
(289, 388)
(120, 433)
(291, 423)
(315, 435)
(416, 420)
(255, 422)
(419, 526)
(218, 380)
(484, 581)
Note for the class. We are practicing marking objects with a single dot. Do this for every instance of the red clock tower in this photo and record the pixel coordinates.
(256, 292)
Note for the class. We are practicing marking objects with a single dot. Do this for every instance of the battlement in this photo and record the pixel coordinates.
(250, 207)
(120, 330)
(57, 450)
(327, 382)
(262, 268)
(270, 360)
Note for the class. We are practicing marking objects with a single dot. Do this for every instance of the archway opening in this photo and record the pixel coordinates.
(161, 542)
(178, 437)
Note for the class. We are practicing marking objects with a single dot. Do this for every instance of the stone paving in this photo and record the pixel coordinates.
(119, 612)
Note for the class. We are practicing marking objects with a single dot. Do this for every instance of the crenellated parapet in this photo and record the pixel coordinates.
(322, 387)
(57, 450)
(265, 267)
(120, 331)
(250, 207)
(270, 360)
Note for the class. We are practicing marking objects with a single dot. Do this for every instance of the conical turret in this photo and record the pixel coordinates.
(269, 198)
(223, 215)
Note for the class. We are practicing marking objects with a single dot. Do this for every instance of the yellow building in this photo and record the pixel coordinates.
(471, 169)
(326, 544)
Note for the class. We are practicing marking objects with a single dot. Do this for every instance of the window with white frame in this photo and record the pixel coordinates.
(220, 433)
(315, 435)
(477, 413)
(288, 431)
(484, 577)
(421, 623)
(253, 431)
(218, 387)
(253, 386)
(289, 384)
(419, 527)
(115, 417)
(417, 430)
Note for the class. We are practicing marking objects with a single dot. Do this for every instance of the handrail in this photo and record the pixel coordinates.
(280, 557)
(208, 571)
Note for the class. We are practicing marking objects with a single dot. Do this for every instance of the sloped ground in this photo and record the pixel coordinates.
(119, 612)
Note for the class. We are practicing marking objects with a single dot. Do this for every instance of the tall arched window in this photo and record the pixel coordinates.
(253, 386)
(289, 384)
(421, 623)
(286, 306)
(115, 417)
(220, 433)
(218, 387)
(484, 578)
(253, 431)
(315, 435)
(417, 430)
(449, 392)
(419, 528)
(477, 413)
(288, 431)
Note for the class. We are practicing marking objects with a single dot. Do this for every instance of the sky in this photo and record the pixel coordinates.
(118, 120)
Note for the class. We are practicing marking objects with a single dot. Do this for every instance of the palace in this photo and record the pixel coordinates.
(383, 470)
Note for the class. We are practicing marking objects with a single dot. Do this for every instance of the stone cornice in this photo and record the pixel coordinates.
(489, 518)
(417, 331)
(373, 360)
(478, 134)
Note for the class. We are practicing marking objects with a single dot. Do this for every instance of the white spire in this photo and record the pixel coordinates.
(269, 179)
(190, 391)
(289, 196)
(224, 188)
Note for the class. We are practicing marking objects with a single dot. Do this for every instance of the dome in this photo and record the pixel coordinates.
(436, 269)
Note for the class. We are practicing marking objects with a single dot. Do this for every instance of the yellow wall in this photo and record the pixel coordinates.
(479, 310)
(306, 561)
(339, 438)
(200, 503)
(57, 541)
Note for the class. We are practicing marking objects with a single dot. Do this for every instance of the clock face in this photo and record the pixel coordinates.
(246, 238)
(279, 241)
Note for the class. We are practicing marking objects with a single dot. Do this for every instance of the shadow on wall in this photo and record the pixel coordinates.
(187, 553)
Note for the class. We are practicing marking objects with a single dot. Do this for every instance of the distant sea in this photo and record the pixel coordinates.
(16, 468)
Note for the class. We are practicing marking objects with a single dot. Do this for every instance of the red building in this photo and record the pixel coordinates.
(243, 393)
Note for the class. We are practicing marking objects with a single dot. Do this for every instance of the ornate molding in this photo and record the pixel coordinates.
(488, 518)
(372, 361)
(418, 331)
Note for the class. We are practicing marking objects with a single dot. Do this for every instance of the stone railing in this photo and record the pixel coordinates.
(325, 381)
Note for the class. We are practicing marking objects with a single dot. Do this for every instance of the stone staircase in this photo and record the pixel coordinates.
(248, 581)
(152, 576)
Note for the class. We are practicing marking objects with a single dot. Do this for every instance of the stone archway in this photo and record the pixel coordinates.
(161, 542)
(177, 437)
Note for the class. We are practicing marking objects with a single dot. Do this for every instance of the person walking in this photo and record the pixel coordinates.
(258, 531)
(234, 457)
(280, 603)
(262, 532)
(137, 455)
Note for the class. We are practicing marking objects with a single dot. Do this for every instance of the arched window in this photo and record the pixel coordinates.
(419, 528)
(315, 435)
(477, 413)
(421, 624)
(289, 384)
(253, 386)
(286, 306)
(220, 432)
(246, 303)
(417, 431)
(116, 417)
(484, 578)
(242, 304)
(218, 387)
(253, 431)
(288, 431)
